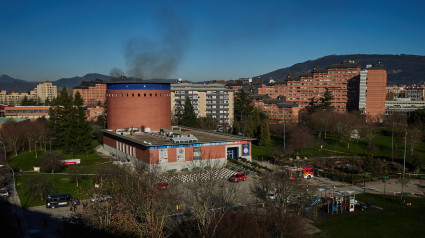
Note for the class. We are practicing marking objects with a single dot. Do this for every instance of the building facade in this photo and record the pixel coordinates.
(30, 112)
(278, 111)
(214, 100)
(158, 152)
(93, 93)
(372, 91)
(144, 107)
(404, 106)
(46, 91)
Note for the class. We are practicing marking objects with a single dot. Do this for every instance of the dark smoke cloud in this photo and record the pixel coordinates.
(116, 72)
(148, 59)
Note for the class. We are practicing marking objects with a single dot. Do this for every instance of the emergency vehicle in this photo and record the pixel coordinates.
(302, 172)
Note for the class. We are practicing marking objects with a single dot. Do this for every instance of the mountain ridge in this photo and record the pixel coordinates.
(401, 69)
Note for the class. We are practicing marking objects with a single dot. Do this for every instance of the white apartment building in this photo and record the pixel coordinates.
(207, 99)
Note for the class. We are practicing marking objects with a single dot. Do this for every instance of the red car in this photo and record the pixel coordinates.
(238, 177)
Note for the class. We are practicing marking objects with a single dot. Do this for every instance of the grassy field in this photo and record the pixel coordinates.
(62, 183)
(380, 147)
(263, 152)
(396, 220)
(28, 160)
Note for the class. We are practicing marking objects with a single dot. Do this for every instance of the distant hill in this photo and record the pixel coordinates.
(402, 69)
(18, 85)
(75, 81)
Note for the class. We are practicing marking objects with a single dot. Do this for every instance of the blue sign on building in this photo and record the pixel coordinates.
(245, 149)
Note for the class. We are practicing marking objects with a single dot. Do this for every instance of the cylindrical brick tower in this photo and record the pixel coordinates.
(146, 106)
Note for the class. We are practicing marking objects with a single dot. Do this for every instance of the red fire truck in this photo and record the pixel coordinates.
(302, 172)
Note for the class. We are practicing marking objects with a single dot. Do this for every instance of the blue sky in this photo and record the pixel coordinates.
(197, 40)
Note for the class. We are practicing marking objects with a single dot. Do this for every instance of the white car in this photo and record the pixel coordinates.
(4, 193)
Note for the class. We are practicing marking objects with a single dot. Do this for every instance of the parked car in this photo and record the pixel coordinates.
(238, 177)
(272, 194)
(162, 185)
(99, 198)
(4, 193)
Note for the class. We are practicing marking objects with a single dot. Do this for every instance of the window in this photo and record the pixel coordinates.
(150, 94)
(145, 94)
(138, 94)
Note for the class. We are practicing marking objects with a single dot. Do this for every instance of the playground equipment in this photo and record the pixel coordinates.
(334, 203)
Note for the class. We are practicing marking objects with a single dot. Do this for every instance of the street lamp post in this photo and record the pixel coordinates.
(404, 164)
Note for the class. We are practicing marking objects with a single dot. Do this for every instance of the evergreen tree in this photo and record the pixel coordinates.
(68, 123)
(59, 115)
(24, 101)
(325, 101)
(189, 116)
(82, 129)
(263, 137)
(47, 102)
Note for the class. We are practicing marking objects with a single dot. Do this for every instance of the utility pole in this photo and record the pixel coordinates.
(284, 130)
(404, 163)
(392, 143)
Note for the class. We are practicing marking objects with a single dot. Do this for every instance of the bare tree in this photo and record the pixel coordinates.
(138, 208)
(12, 135)
(285, 190)
(51, 162)
(321, 121)
(414, 136)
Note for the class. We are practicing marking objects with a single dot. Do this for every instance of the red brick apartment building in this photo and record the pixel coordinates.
(372, 91)
(343, 80)
(92, 92)
(277, 110)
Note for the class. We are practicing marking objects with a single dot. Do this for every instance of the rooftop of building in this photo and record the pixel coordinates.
(141, 81)
(377, 66)
(199, 86)
(258, 96)
(345, 65)
(153, 139)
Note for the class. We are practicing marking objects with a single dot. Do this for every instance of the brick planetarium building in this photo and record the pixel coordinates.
(139, 131)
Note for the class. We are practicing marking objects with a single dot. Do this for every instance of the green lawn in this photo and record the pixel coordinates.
(262, 152)
(395, 220)
(62, 185)
(27, 161)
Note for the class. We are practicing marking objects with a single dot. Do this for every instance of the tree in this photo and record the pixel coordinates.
(38, 188)
(68, 123)
(12, 134)
(189, 116)
(397, 122)
(75, 172)
(369, 130)
(417, 116)
(321, 121)
(324, 103)
(263, 135)
(299, 138)
(24, 101)
(207, 123)
(60, 113)
(414, 136)
(82, 129)
(51, 162)
(243, 109)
